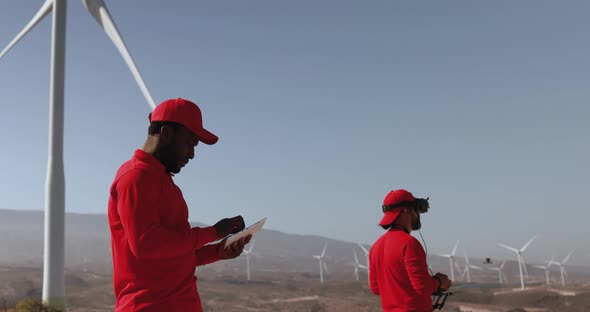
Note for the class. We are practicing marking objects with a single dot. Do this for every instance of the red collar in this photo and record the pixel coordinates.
(151, 160)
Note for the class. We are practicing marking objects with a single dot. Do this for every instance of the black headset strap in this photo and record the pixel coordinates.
(402, 204)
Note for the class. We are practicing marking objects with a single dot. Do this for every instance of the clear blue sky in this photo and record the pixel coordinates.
(321, 108)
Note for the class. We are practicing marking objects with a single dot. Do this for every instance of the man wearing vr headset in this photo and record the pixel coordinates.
(398, 272)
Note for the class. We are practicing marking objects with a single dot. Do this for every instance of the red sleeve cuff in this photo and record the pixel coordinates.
(206, 255)
(204, 235)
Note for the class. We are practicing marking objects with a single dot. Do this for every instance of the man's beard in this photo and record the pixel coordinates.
(417, 225)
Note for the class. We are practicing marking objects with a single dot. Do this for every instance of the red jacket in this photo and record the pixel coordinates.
(155, 251)
(399, 274)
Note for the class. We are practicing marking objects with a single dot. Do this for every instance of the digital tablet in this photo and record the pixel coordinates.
(252, 229)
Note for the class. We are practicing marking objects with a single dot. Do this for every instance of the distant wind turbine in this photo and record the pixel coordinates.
(501, 277)
(451, 257)
(519, 257)
(561, 266)
(54, 245)
(546, 268)
(248, 253)
(357, 266)
(366, 254)
(322, 260)
(468, 266)
(461, 272)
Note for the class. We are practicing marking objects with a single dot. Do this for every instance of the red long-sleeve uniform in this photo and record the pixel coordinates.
(398, 273)
(155, 250)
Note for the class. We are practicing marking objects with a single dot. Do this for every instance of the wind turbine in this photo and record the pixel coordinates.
(546, 268)
(366, 254)
(561, 266)
(357, 266)
(461, 272)
(54, 245)
(521, 264)
(451, 257)
(321, 259)
(468, 267)
(501, 278)
(248, 253)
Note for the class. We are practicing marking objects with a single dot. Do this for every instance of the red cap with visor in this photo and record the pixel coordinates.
(186, 113)
(394, 197)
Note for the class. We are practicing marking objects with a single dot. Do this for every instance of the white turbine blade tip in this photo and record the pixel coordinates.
(567, 258)
(363, 248)
(43, 11)
(455, 248)
(99, 11)
(528, 243)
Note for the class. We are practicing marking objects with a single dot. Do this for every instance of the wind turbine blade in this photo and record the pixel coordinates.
(363, 248)
(526, 272)
(356, 259)
(567, 258)
(98, 9)
(326, 268)
(251, 247)
(502, 265)
(324, 251)
(527, 244)
(43, 11)
(508, 247)
(455, 248)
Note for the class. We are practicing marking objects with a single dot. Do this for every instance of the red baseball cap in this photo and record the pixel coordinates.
(186, 113)
(392, 198)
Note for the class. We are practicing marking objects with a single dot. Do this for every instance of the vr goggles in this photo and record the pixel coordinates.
(420, 204)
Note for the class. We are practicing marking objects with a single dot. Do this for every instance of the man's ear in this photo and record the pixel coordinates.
(166, 133)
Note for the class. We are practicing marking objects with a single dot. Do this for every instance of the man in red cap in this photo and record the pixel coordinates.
(398, 272)
(155, 250)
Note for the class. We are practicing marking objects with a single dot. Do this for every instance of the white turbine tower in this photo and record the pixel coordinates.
(561, 266)
(521, 264)
(468, 267)
(248, 253)
(451, 257)
(501, 277)
(546, 268)
(54, 249)
(357, 266)
(322, 260)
